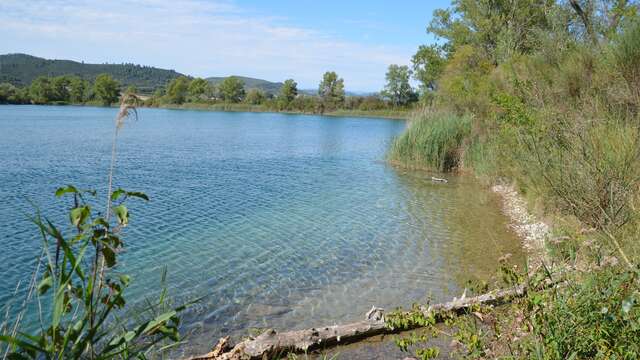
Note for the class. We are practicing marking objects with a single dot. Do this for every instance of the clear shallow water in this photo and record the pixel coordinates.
(275, 220)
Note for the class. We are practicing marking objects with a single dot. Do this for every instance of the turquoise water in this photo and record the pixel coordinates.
(276, 220)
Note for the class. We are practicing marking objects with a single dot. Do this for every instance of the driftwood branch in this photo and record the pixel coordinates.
(271, 343)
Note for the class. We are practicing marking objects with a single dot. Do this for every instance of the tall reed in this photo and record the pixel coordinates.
(81, 299)
(433, 140)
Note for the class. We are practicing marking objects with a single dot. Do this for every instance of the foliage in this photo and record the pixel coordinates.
(596, 317)
(331, 89)
(177, 90)
(232, 89)
(398, 89)
(21, 70)
(199, 89)
(255, 97)
(553, 92)
(288, 92)
(106, 89)
(10, 94)
(428, 64)
(432, 140)
(269, 87)
(627, 55)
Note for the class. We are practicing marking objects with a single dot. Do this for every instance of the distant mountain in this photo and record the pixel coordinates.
(21, 69)
(252, 83)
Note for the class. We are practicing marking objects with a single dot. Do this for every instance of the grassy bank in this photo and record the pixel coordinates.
(560, 120)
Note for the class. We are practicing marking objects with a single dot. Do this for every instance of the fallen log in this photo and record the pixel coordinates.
(272, 344)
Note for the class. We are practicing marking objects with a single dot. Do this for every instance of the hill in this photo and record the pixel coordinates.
(21, 69)
(252, 83)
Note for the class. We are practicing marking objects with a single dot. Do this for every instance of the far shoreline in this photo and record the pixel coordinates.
(381, 114)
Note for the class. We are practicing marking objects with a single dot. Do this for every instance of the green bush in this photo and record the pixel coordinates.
(597, 317)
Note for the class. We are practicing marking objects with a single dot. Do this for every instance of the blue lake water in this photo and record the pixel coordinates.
(275, 220)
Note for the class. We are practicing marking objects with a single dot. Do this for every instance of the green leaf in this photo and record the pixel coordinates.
(122, 214)
(65, 190)
(116, 194)
(22, 344)
(79, 215)
(45, 284)
(138, 194)
(109, 256)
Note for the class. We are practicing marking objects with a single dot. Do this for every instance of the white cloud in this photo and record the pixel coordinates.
(202, 38)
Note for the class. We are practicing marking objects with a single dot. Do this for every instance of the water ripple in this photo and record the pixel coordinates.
(274, 220)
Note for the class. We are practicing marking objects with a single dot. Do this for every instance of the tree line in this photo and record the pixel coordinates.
(65, 89)
(331, 95)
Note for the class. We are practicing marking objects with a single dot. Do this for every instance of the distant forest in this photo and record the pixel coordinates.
(21, 69)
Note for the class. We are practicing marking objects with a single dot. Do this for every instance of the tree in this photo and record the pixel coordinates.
(131, 89)
(255, 97)
(499, 27)
(198, 88)
(41, 90)
(289, 90)
(177, 90)
(602, 18)
(7, 91)
(60, 88)
(331, 88)
(398, 89)
(77, 90)
(232, 89)
(106, 89)
(428, 64)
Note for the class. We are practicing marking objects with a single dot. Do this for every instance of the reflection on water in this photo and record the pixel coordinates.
(274, 220)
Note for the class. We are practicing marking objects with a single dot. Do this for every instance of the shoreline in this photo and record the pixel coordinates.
(532, 232)
(374, 114)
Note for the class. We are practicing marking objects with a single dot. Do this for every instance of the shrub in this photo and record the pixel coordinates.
(627, 55)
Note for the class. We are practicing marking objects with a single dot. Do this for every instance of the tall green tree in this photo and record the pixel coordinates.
(232, 89)
(78, 90)
(60, 88)
(198, 88)
(398, 88)
(500, 27)
(7, 91)
(289, 90)
(41, 90)
(177, 90)
(331, 88)
(428, 63)
(600, 19)
(106, 89)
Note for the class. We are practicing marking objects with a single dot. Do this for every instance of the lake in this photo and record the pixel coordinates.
(284, 221)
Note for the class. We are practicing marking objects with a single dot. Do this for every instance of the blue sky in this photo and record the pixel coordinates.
(273, 40)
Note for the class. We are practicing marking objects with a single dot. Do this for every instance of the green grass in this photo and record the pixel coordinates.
(432, 141)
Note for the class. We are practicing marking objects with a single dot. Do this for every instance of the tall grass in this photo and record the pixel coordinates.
(433, 140)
